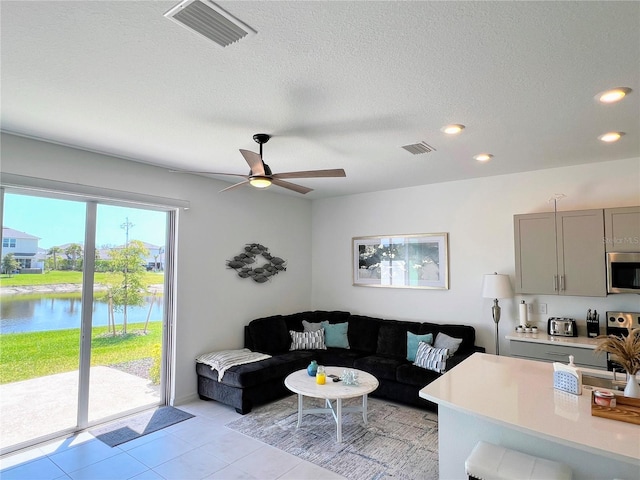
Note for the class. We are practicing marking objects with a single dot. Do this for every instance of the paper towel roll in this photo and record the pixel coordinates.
(523, 313)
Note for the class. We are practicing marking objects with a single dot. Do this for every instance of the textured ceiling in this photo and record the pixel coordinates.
(338, 85)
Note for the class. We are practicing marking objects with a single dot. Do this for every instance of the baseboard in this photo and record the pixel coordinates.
(174, 402)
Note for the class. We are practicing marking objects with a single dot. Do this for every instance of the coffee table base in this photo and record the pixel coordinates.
(335, 411)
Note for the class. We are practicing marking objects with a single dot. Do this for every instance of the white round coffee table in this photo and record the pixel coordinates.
(305, 386)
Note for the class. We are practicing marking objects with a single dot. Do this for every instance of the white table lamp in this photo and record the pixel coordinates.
(496, 286)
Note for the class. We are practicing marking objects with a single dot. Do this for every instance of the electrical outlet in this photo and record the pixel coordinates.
(537, 308)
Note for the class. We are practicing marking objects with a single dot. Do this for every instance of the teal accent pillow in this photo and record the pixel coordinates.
(412, 343)
(335, 334)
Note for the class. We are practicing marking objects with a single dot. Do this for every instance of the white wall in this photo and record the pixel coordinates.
(478, 215)
(315, 239)
(213, 302)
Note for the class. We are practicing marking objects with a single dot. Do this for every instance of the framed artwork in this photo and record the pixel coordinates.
(402, 261)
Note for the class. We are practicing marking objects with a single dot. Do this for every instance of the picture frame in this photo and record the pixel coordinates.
(402, 261)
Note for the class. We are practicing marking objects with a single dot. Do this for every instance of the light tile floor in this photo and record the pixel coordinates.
(198, 448)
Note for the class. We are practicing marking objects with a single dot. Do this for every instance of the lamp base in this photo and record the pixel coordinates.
(495, 311)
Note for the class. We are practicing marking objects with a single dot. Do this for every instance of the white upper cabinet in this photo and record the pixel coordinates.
(561, 253)
(622, 229)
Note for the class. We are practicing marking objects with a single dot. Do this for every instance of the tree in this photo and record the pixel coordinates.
(74, 254)
(10, 264)
(126, 286)
(55, 251)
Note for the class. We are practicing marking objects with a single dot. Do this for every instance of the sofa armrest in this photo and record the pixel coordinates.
(248, 342)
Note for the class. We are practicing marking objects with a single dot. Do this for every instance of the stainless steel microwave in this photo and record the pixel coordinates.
(623, 272)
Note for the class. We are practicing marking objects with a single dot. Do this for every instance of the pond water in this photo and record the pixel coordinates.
(32, 313)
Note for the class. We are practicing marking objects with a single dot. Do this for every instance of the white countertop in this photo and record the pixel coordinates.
(519, 394)
(578, 342)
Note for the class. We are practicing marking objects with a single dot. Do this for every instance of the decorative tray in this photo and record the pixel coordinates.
(627, 409)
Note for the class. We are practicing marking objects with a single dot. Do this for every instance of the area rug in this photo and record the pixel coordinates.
(136, 426)
(398, 442)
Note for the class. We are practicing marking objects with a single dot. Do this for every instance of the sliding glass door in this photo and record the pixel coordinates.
(40, 316)
(126, 328)
(82, 314)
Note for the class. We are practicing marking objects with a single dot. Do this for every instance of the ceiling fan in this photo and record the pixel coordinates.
(260, 175)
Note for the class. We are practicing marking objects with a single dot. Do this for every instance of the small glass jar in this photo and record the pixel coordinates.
(321, 375)
(604, 398)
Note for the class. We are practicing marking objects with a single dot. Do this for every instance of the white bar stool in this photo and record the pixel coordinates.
(492, 462)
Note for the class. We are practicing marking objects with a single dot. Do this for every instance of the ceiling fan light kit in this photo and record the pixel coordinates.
(260, 182)
(261, 176)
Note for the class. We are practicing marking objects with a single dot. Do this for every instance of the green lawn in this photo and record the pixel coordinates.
(57, 276)
(34, 354)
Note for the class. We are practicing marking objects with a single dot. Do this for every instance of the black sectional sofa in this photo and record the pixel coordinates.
(377, 346)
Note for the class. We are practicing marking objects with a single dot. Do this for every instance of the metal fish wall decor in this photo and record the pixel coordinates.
(243, 263)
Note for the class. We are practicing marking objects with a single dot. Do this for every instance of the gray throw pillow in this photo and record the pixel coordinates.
(445, 341)
(311, 327)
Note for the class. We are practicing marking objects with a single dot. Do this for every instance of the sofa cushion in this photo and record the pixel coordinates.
(273, 369)
(392, 338)
(415, 376)
(270, 335)
(337, 357)
(363, 333)
(335, 334)
(307, 340)
(383, 368)
(413, 340)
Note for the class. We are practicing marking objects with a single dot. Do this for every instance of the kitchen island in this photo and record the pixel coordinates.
(511, 402)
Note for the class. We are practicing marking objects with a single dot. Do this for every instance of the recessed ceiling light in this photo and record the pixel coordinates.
(483, 157)
(614, 95)
(452, 129)
(610, 137)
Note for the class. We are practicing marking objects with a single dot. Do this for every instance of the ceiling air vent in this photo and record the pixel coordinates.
(209, 20)
(419, 148)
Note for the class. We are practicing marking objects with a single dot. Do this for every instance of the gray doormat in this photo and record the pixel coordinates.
(139, 425)
(398, 442)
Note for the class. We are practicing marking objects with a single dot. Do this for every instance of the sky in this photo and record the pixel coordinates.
(58, 222)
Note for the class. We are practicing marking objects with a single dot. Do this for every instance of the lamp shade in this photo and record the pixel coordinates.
(496, 285)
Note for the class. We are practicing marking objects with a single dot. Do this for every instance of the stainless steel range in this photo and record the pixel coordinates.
(618, 323)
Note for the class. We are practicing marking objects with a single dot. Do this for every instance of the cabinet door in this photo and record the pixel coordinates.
(535, 245)
(581, 257)
(622, 229)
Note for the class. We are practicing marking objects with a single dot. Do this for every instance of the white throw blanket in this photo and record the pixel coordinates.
(225, 359)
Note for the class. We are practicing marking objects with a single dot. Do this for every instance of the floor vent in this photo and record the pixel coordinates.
(419, 148)
(209, 20)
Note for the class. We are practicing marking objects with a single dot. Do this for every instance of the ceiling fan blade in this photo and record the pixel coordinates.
(234, 186)
(291, 186)
(336, 172)
(208, 173)
(255, 162)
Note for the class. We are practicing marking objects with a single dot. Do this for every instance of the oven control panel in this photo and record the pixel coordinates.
(622, 320)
